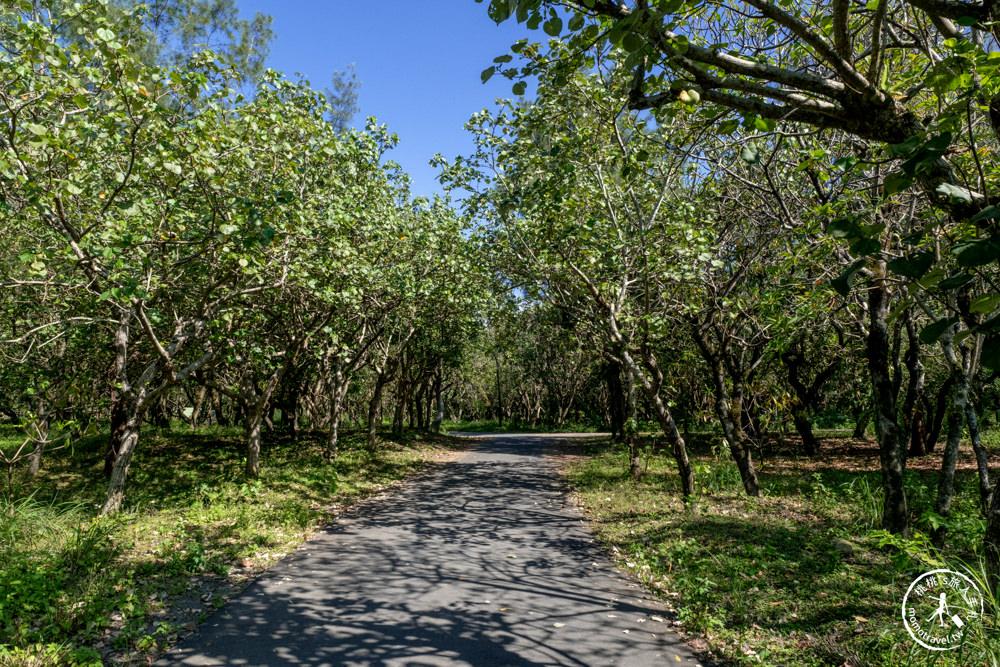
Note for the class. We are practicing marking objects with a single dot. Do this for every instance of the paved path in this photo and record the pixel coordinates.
(483, 562)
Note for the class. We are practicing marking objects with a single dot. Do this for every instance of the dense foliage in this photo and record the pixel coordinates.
(730, 222)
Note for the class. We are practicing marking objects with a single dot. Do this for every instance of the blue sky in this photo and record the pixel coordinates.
(419, 63)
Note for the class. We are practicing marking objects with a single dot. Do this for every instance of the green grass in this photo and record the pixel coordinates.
(71, 582)
(761, 581)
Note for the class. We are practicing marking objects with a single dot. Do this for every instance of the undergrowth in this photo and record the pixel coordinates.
(76, 589)
(801, 577)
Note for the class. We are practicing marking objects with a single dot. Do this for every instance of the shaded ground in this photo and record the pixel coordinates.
(485, 562)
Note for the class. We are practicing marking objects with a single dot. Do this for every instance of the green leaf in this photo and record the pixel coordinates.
(988, 213)
(905, 148)
(632, 42)
(843, 228)
(728, 126)
(105, 35)
(519, 88)
(487, 73)
(896, 182)
(750, 154)
(845, 163)
(845, 281)
(985, 304)
(764, 124)
(976, 252)
(912, 266)
(866, 247)
(932, 332)
(954, 192)
(990, 356)
(931, 279)
(575, 22)
(501, 10)
(955, 281)
(36, 129)
(553, 26)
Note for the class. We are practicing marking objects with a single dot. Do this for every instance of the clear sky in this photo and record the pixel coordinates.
(419, 63)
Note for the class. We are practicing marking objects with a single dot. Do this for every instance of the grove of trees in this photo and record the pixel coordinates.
(760, 210)
(741, 218)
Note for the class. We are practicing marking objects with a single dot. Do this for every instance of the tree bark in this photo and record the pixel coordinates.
(861, 420)
(800, 417)
(651, 387)
(982, 461)
(940, 411)
(439, 395)
(254, 417)
(915, 380)
(895, 516)
(119, 418)
(338, 392)
(616, 397)
(373, 407)
(731, 424)
(196, 408)
(41, 434)
(119, 471)
(946, 480)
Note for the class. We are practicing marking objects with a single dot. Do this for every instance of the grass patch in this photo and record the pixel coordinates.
(799, 578)
(78, 589)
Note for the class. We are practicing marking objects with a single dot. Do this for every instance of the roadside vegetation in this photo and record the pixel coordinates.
(76, 588)
(802, 576)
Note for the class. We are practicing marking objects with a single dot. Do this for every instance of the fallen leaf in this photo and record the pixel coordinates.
(558, 625)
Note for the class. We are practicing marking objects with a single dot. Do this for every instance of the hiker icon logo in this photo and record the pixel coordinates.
(938, 608)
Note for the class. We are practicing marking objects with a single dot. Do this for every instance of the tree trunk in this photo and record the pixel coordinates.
(616, 397)
(439, 394)
(373, 415)
(417, 416)
(800, 417)
(982, 461)
(254, 417)
(738, 444)
(940, 411)
(119, 418)
(895, 517)
(196, 408)
(338, 392)
(915, 381)
(918, 429)
(41, 435)
(946, 480)
(651, 386)
(119, 471)
(861, 421)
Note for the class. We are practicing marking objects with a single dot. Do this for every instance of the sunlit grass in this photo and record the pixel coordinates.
(795, 578)
(70, 582)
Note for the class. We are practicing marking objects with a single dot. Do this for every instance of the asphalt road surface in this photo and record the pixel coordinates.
(483, 562)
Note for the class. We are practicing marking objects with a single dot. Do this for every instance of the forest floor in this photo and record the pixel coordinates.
(76, 589)
(800, 577)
